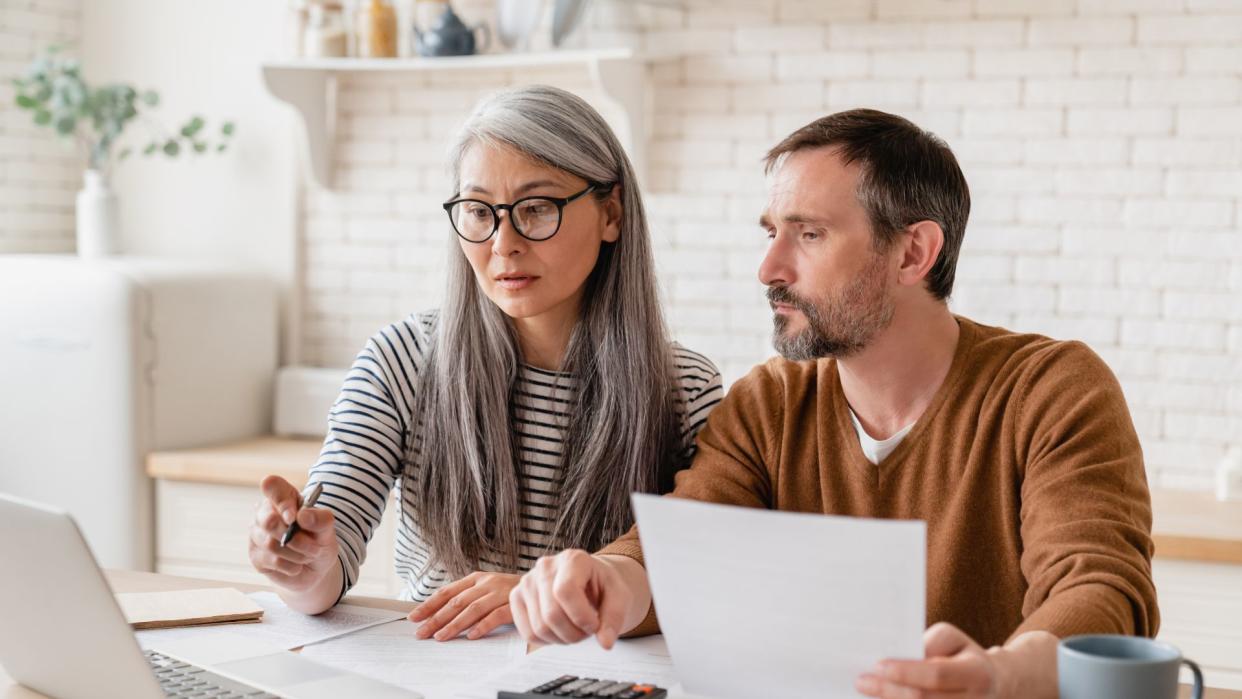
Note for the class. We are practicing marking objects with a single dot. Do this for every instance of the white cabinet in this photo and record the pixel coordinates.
(1201, 613)
(202, 530)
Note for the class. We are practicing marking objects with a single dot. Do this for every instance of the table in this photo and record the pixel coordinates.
(130, 581)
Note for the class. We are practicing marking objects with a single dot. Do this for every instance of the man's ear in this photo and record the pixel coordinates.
(612, 215)
(921, 247)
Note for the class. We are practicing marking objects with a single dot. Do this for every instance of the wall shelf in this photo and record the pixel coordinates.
(310, 87)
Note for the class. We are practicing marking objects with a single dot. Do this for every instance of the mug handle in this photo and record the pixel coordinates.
(1197, 691)
(487, 37)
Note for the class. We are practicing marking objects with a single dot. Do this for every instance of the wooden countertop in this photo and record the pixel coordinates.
(1196, 526)
(1188, 525)
(238, 463)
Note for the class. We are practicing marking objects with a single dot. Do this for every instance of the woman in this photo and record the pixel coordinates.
(517, 419)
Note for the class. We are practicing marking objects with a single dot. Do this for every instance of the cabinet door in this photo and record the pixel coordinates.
(1201, 613)
(202, 530)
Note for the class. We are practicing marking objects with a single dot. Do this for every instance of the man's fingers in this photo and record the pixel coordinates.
(539, 630)
(873, 686)
(559, 625)
(499, 617)
(517, 606)
(283, 496)
(961, 674)
(569, 592)
(612, 607)
(943, 640)
(440, 597)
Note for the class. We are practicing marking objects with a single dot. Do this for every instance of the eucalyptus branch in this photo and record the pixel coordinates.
(59, 98)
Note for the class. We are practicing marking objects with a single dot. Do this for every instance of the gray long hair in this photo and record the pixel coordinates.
(622, 434)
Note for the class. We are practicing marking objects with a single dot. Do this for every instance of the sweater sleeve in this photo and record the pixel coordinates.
(736, 448)
(362, 454)
(1086, 509)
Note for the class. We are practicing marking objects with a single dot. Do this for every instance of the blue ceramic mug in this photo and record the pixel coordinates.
(1121, 667)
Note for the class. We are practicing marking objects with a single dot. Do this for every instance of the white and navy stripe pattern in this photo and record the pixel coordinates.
(373, 434)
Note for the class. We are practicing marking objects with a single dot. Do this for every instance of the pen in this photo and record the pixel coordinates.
(309, 501)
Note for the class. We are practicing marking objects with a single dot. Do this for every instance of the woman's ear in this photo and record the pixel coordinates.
(612, 215)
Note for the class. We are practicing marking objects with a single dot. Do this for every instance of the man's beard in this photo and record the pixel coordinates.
(840, 325)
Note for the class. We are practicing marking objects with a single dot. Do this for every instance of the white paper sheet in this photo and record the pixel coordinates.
(762, 603)
(391, 653)
(635, 660)
(281, 628)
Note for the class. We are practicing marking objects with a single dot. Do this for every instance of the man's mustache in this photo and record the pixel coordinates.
(782, 294)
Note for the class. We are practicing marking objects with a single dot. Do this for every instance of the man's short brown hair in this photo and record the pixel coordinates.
(908, 175)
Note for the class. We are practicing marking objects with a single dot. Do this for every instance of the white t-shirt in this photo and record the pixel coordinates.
(876, 450)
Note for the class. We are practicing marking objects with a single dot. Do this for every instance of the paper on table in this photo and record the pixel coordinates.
(636, 660)
(391, 653)
(281, 627)
(761, 603)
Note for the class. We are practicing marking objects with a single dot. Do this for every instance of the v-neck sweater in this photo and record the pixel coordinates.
(1025, 467)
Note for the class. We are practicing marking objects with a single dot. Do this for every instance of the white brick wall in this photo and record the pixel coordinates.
(1102, 140)
(39, 174)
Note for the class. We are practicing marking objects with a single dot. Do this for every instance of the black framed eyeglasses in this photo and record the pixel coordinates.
(534, 218)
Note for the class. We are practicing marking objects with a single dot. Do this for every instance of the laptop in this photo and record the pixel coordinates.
(63, 634)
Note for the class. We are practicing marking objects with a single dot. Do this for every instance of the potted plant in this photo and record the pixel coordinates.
(94, 119)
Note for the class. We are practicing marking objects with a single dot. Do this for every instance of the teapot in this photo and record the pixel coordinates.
(449, 36)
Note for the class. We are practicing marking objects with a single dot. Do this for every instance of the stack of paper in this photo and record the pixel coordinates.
(164, 610)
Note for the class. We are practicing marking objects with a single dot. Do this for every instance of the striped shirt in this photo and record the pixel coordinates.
(372, 433)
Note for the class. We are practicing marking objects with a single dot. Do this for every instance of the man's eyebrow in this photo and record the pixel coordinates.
(766, 221)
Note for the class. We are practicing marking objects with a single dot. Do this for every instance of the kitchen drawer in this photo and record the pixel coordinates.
(1201, 613)
(202, 530)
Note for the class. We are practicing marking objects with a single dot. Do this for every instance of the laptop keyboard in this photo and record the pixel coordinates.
(179, 680)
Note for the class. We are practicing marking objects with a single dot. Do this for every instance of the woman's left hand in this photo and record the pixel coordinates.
(478, 602)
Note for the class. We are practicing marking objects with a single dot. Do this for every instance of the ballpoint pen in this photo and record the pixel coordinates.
(309, 501)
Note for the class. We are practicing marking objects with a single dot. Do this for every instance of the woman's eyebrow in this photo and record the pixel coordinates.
(470, 187)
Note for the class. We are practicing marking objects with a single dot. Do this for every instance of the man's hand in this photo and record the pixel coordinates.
(572, 595)
(956, 666)
(477, 604)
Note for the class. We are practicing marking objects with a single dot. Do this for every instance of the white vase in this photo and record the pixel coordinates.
(99, 227)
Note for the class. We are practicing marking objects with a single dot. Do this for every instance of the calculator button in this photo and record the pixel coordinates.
(569, 688)
(547, 687)
(613, 689)
(591, 690)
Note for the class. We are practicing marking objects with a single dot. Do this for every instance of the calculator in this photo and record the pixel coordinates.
(574, 686)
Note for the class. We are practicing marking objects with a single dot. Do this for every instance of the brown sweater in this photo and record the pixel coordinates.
(1025, 466)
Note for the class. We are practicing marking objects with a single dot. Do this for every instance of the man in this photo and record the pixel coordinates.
(1017, 450)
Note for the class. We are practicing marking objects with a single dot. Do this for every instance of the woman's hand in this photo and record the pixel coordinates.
(309, 556)
(478, 602)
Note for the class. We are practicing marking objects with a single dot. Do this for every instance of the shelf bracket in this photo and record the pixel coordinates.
(313, 94)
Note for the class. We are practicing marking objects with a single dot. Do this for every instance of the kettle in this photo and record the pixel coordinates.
(449, 36)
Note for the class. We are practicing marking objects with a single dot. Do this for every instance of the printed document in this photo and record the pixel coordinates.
(761, 603)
